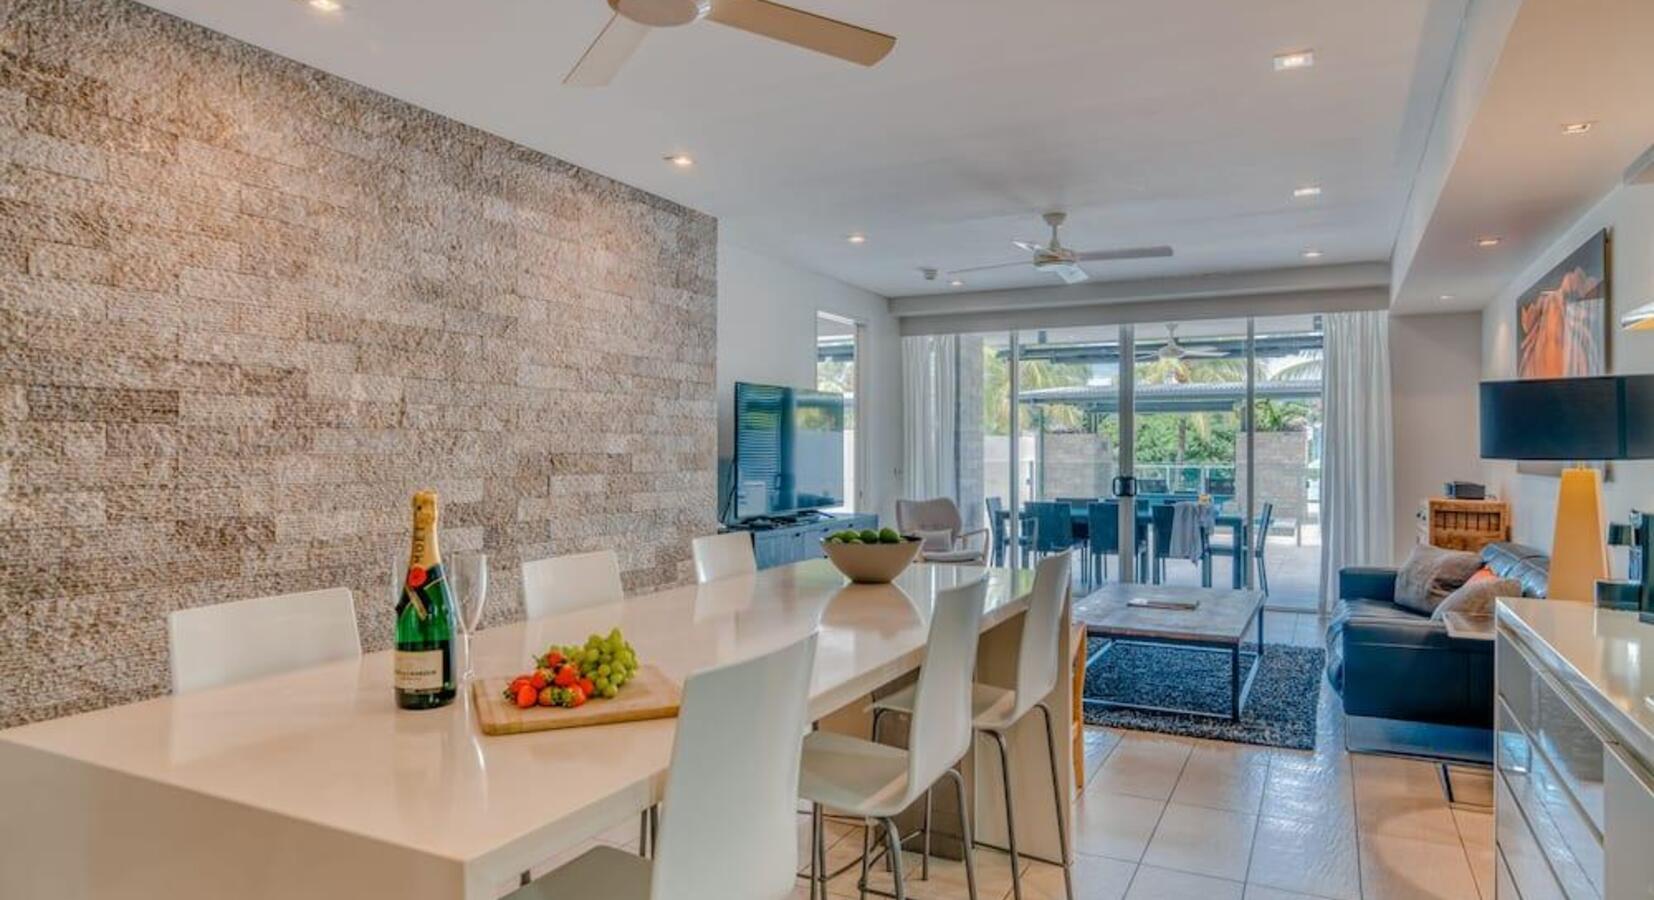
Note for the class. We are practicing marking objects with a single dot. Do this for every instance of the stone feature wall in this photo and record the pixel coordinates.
(247, 308)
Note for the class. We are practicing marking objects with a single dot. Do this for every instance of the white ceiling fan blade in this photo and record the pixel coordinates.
(602, 60)
(851, 43)
(1030, 246)
(1069, 274)
(1125, 253)
(1020, 262)
(1203, 352)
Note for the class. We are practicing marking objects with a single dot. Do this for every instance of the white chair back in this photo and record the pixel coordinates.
(230, 642)
(940, 729)
(575, 581)
(723, 556)
(727, 821)
(1037, 666)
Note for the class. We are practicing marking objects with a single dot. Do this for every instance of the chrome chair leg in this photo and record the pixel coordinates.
(815, 850)
(866, 851)
(967, 843)
(1010, 813)
(924, 858)
(1061, 807)
(893, 852)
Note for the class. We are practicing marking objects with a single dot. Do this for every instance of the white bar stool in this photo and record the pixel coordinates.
(229, 642)
(727, 819)
(576, 581)
(723, 556)
(996, 710)
(876, 782)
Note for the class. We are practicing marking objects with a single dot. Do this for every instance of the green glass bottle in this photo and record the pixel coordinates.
(425, 618)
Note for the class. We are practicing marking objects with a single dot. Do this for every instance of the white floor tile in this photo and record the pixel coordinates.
(1259, 892)
(1398, 868)
(1308, 857)
(1205, 841)
(1402, 798)
(1095, 878)
(1223, 776)
(1115, 825)
(1143, 765)
(1163, 884)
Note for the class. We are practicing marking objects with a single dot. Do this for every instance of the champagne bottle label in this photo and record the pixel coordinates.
(419, 670)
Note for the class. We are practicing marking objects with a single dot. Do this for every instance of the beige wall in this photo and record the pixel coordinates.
(247, 308)
(1629, 213)
(1435, 364)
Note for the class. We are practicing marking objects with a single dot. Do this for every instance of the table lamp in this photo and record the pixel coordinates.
(1572, 420)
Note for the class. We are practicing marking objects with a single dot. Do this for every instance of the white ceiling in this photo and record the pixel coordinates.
(1515, 175)
(1150, 121)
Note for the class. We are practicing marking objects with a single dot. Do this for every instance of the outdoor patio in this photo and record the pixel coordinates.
(1294, 571)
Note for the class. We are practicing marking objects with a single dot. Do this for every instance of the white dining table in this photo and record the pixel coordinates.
(313, 784)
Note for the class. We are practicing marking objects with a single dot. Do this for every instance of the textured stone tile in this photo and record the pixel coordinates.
(247, 308)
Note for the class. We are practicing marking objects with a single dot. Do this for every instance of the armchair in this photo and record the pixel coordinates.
(938, 515)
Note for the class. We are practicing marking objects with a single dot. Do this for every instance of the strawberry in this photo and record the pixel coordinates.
(566, 676)
(527, 696)
(553, 659)
(586, 686)
(576, 696)
(538, 679)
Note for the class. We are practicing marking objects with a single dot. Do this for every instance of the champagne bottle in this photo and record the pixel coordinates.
(425, 618)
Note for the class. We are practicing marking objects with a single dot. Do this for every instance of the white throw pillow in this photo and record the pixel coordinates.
(936, 541)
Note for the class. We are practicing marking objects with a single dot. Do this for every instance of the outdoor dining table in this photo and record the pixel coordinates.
(1237, 524)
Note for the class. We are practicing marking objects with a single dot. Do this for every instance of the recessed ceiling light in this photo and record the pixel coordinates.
(1447, 297)
(1300, 59)
(856, 237)
(1308, 190)
(1312, 254)
(1577, 127)
(1489, 241)
(956, 283)
(326, 5)
(681, 160)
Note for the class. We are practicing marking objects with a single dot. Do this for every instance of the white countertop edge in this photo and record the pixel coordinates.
(1621, 726)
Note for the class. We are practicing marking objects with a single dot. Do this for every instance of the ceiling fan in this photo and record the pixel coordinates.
(1171, 351)
(633, 19)
(1065, 263)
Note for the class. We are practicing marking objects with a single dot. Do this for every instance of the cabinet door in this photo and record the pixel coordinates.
(1630, 791)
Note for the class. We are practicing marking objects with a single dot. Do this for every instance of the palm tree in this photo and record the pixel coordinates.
(1034, 374)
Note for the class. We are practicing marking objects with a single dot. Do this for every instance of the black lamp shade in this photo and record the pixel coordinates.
(1569, 419)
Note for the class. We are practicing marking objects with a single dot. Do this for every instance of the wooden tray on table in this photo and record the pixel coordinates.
(649, 694)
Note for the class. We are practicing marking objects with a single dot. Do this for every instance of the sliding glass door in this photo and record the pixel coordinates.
(1286, 460)
(1033, 426)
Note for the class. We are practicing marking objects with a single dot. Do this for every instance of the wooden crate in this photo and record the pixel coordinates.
(1466, 525)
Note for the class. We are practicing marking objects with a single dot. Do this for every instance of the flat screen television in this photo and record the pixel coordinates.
(789, 450)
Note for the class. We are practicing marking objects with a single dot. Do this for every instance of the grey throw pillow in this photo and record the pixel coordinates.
(1430, 574)
(1476, 598)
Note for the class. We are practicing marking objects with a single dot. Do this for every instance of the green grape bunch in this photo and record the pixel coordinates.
(607, 660)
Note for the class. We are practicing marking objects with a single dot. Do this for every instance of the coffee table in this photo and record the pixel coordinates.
(1220, 624)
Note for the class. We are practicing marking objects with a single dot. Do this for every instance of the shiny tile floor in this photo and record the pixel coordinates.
(1166, 818)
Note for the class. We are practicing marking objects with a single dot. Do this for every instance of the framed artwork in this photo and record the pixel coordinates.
(1562, 325)
(1562, 321)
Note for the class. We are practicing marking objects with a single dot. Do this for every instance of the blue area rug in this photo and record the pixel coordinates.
(1280, 711)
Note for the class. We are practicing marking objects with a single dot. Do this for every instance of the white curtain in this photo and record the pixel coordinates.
(930, 385)
(1357, 466)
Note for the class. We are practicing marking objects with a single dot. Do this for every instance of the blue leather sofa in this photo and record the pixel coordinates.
(1407, 687)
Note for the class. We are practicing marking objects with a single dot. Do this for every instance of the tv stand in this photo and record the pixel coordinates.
(780, 540)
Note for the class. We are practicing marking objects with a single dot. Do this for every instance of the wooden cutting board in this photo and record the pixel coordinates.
(648, 695)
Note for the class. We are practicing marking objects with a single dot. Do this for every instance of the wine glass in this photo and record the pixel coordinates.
(468, 573)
